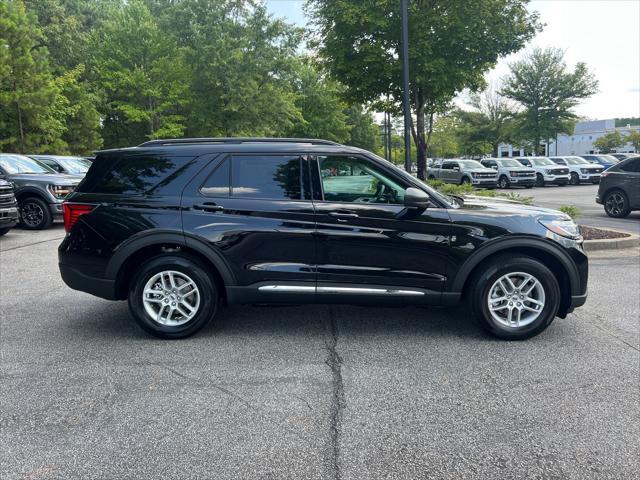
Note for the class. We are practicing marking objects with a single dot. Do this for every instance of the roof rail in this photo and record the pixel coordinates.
(193, 141)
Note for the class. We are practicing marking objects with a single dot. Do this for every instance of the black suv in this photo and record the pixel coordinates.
(619, 189)
(181, 227)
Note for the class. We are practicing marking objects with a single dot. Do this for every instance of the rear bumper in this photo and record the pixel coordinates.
(100, 287)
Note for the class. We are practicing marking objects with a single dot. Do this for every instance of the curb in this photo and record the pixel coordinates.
(631, 241)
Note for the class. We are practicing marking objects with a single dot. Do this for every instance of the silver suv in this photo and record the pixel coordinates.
(464, 171)
(39, 190)
(511, 173)
(580, 170)
(546, 170)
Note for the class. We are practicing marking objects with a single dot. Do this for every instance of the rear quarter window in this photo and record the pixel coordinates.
(132, 174)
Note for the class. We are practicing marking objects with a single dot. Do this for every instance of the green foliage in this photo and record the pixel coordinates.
(322, 108)
(570, 210)
(610, 142)
(31, 106)
(634, 139)
(466, 190)
(452, 45)
(541, 84)
(363, 133)
(444, 139)
(623, 122)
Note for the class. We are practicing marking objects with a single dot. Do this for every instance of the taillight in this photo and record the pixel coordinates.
(72, 212)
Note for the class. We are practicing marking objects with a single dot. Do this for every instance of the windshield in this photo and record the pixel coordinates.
(72, 164)
(509, 163)
(471, 164)
(609, 158)
(541, 161)
(20, 164)
(575, 160)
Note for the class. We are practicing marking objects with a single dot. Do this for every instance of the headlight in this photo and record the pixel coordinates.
(60, 191)
(564, 228)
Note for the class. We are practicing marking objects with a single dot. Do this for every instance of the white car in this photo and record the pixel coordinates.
(546, 170)
(580, 170)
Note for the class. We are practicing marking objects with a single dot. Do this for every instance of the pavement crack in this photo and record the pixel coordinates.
(30, 244)
(338, 402)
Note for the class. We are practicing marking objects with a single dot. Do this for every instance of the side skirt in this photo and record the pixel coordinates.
(324, 292)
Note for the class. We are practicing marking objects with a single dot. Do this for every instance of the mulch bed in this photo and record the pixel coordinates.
(592, 233)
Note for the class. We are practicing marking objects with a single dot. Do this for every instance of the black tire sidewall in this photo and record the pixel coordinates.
(506, 181)
(495, 270)
(574, 179)
(208, 295)
(539, 183)
(47, 218)
(4, 231)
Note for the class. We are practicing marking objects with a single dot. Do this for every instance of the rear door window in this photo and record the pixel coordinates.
(275, 177)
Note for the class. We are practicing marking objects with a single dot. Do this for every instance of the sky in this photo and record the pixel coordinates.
(605, 34)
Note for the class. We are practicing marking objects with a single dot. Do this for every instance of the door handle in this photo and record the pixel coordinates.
(209, 207)
(343, 215)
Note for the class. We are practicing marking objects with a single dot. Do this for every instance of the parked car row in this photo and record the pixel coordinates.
(39, 189)
(524, 171)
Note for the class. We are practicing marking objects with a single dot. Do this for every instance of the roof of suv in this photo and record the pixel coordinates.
(199, 146)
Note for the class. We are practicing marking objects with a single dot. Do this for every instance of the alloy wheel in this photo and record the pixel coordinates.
(539, 180)
(575, 180)
(516, 299)
(171, 298)
(504, 183)
(615, 204)
(32, 214)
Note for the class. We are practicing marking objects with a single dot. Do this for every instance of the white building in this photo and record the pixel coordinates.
(580, 142)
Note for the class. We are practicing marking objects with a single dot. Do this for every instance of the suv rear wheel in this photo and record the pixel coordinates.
(515, 298)
(173, 296)
(35, 214)
(616, 204)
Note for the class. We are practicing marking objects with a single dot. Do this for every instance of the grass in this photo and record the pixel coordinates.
(570, 210)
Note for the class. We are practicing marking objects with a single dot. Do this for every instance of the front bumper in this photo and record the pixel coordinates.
(485, 182)
(8, 217)
(557, 179)
(590, 177)
(56, 209)
(522, 180)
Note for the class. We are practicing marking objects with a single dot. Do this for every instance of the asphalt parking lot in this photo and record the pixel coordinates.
(584, 198)
(326, 392)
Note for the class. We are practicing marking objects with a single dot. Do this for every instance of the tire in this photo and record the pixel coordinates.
(4, 231)
(539, 180)
(503, 182)
(616, 204)
(35, 214)
(464, 180)
(485, 285)
(575, 179)
(528, 186)
(203, 299)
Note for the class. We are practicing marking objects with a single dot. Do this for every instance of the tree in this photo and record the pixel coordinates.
(445, 142)
(541, 84)
(634, 139)
(610, 142)
(30, 101)
(364, 133)
(451, 45)
(142, 75)
(321, 106)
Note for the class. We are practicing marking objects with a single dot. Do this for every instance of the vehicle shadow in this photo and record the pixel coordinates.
(112, 320)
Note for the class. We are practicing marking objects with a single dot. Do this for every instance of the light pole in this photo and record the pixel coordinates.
(404, 19)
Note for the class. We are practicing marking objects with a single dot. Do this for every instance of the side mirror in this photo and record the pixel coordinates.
(456, 169)
(495, 167)
(415, 198)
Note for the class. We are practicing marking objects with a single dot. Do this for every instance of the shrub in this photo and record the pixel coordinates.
(570, 210)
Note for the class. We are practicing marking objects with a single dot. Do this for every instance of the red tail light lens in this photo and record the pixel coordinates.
(72, 212)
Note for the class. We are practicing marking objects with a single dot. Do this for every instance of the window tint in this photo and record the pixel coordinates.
(217, 185)
(631, 166)
(266, 176)
(352, 179)
(448, 165)
(131, 174)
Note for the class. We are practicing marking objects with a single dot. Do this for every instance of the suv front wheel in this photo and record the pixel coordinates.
(173, 296)
(515, 298)
(35, 214)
